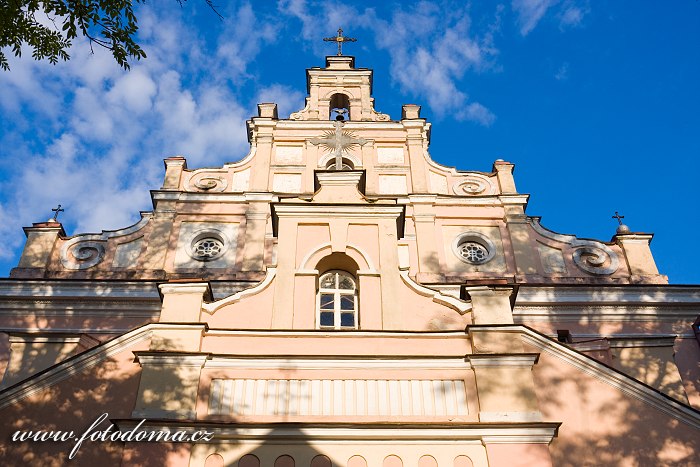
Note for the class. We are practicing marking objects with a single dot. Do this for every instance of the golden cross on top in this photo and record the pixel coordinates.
(340, 39)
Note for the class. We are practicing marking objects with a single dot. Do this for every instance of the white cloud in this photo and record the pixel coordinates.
(562, 73)
(422, 40)
(288, 100)
(530, 12)
(479, 113)
(572, 14)
(104, 131)
(134, 90)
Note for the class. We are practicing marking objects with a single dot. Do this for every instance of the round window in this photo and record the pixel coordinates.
(207, 248)
(474, 248)
(209, 245)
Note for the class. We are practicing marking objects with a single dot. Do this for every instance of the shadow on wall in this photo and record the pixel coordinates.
(605, 425)
(73, 404)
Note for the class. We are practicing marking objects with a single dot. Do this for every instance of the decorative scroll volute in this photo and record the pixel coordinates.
(211, 182)
(86, 251)
(590, 256)
(81, 253)
(596, 259)
(474, 185)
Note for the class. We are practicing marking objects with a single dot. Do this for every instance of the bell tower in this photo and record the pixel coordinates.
(339, 92)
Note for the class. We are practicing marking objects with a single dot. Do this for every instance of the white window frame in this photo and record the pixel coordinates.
(337, 294)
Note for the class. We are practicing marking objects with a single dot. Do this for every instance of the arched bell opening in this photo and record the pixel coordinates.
(339, 107)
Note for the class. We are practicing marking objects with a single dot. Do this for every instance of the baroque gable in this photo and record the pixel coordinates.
(337, 297)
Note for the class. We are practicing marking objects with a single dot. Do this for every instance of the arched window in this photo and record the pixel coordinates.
(347, 164)
(337, 301)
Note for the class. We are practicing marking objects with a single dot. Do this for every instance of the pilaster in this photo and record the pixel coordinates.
(256, 224)
(415, 142)
(182, 308)
(168, 385)
(525, 254)
(424, 218)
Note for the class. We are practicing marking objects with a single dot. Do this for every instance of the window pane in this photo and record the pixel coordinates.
(326, 301)
(328, 281)
(326, 318)
(346, 283)
(347, 319)
(347, 302)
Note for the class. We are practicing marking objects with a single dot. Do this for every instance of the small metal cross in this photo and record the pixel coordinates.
(618, 217)
(57, 210)
(340, 39)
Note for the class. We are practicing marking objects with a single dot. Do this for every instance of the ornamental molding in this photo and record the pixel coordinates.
(460, 306)
(588, 255)
(197, 197)
(212, 307)
(87, 290)
(301, 113)
(644, 295)
(341, 335)
(386, 363)
(474, 433)
(353, 211)
(86, 251)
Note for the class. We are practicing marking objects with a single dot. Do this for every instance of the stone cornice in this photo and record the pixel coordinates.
(349, 210)
(502, 360)
(437, 363)
(657, 295)
(87, 289)
(320, 125)
(479, 433)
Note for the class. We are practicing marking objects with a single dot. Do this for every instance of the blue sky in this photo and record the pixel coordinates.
(597, 104)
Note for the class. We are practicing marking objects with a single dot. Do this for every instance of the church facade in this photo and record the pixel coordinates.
(338, 298)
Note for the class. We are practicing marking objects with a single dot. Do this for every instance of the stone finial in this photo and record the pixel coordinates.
(173, 172)
(267, 110)
(410, 111)
(621, 228)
